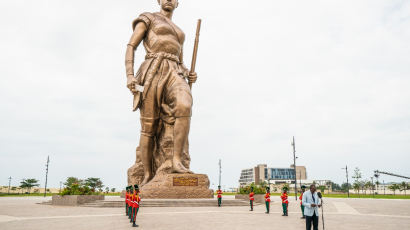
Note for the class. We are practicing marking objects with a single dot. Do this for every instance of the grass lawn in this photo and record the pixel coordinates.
(380, 196)
(22, 195)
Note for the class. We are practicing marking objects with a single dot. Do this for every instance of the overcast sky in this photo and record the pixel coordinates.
(334, 74)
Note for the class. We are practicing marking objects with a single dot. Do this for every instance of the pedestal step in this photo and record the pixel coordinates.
(168, 203)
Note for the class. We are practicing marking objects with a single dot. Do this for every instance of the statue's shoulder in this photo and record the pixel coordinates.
(145, 17)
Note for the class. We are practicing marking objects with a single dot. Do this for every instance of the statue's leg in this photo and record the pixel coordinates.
(181, 105)
(181, 131)
(147, 146)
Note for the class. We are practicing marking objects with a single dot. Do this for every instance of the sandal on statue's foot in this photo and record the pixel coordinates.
(180, 168)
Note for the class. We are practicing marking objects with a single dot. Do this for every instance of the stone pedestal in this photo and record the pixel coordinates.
(74, 200)
(177, 186)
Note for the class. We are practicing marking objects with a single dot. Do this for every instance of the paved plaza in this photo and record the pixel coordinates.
(25, 213)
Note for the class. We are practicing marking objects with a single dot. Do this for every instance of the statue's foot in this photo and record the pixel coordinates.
(147, 178)
(178, 167)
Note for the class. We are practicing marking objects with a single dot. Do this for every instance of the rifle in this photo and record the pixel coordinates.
(194, 55)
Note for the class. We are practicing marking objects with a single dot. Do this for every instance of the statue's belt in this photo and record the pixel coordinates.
(158, 58)
(163, 55)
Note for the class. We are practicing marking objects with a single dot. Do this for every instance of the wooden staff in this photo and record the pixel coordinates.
(198, 28)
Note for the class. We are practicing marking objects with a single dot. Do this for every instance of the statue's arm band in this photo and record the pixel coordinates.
(132, 45)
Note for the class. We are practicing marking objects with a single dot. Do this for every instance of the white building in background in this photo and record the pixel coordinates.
(272, 175)
(247, 176)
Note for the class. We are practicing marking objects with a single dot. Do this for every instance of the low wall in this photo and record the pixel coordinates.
(74, 200)
(259, 198)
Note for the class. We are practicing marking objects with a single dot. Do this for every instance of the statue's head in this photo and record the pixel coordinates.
(251, 189)
(168, 5)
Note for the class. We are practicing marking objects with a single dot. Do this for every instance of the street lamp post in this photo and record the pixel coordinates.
(220, 171)
(347, 181)
(45, 186)
(294, 166)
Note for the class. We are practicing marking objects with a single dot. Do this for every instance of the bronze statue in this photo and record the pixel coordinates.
(161, 93)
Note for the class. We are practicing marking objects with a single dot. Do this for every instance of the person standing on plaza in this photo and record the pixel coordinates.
(135, 205)
(130, 196)
(285, 201)
(219, 192)
(267, 200)
(251, 198)
(312, 204)
(126, 200)
(301, 205)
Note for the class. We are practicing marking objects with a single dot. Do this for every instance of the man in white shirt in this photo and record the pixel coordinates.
(312, 204)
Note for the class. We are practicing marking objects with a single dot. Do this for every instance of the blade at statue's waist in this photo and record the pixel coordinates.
(169, 56)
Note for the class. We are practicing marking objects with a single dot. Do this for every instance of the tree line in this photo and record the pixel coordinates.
(75, 185)
(364, 185)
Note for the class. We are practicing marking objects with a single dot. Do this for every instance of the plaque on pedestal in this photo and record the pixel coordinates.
(177, 186)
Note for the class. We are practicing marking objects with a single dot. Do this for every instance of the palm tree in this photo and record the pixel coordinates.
(394, 187)
(368, 185)
(403, 187)
(362, 186)
(28, 184)
(356, 187)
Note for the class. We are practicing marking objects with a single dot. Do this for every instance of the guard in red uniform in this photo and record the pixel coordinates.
(219, 192)
(126, 200)
(135, 204)
(267, 200)
(301, 204)
(285, 201)
(251, 199)
(130, 196)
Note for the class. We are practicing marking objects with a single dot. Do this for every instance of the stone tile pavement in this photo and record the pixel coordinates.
(24, 213)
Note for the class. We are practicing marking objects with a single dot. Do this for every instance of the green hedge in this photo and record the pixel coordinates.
(257, 189)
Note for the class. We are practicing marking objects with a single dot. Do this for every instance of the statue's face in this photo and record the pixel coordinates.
(168, 5)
